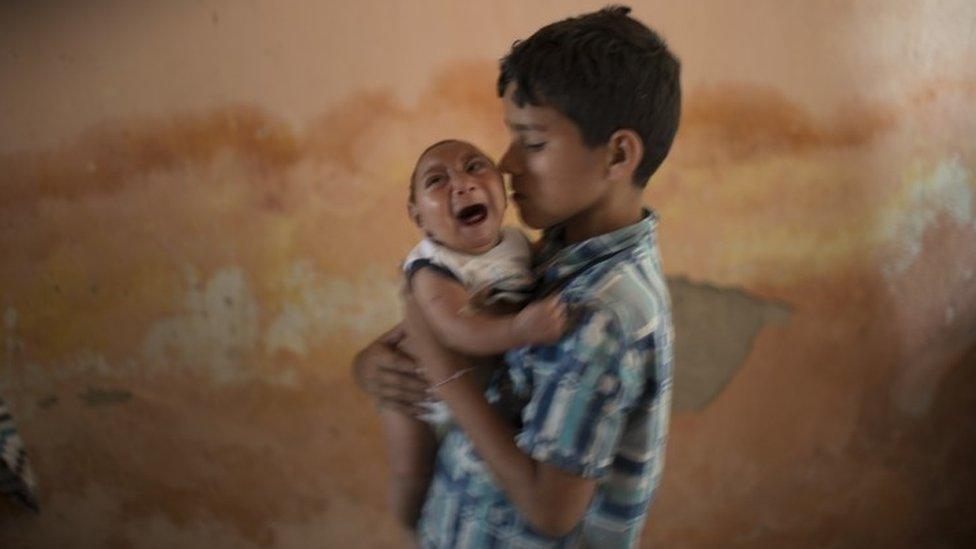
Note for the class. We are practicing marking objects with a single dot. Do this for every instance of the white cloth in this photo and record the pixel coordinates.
(503, 273)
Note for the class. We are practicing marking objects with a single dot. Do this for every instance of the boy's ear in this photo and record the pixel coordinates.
(626, 149)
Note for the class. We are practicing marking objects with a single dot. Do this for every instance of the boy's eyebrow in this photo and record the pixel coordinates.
(526, 127)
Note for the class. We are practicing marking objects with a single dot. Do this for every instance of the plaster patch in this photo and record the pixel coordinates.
(319, 305)
(217, 332)
(32, 377)
(88, 361)
(945, 190)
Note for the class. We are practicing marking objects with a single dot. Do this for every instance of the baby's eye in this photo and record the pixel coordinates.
(533, 146)
(477, 165)
(433, 181)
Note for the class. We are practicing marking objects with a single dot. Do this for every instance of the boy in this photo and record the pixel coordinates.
(573, 452)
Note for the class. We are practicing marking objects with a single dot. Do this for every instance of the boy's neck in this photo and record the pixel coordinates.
(612, 212)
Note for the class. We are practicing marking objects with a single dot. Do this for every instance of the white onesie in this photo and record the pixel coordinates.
(503, 273)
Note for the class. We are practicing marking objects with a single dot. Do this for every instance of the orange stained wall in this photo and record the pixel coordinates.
(202, 211)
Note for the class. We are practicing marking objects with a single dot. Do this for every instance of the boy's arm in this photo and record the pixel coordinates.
(552, 500)
(444, 301)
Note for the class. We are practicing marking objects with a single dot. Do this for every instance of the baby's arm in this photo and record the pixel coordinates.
(443, 301)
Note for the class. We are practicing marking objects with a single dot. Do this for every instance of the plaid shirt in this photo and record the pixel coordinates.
(595, 404)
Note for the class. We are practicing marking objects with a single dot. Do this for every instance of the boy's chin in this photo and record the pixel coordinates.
(533, 220)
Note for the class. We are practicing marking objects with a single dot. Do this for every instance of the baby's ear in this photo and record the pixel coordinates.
(414, 214)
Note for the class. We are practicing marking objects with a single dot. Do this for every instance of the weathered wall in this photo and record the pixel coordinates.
(202, 210)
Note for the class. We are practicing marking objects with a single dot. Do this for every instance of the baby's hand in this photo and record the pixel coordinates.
(541, 322)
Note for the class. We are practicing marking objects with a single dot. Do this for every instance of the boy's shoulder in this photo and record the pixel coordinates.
(630, 289)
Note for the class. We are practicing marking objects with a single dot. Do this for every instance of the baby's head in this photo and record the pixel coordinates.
(457, 197)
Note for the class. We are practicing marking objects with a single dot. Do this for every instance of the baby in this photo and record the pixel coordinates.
(468, 264)
(469, 276)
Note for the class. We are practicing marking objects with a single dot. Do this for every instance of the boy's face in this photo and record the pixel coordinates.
(555, 177)
(459, 197)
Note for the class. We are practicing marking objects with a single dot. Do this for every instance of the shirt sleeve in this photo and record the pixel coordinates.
(415, 265)
(580, 397)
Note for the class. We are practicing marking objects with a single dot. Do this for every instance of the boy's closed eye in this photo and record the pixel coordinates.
(534, 143)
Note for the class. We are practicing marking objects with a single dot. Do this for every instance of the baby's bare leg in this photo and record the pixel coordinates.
(411, 446)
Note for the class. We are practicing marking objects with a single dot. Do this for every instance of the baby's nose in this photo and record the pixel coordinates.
(463, 185)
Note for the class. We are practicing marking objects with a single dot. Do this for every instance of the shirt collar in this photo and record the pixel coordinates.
(557, 260)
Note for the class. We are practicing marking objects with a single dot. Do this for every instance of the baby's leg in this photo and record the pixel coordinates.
(412, 447)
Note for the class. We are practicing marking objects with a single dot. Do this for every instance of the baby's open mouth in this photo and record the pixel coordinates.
(472, 215)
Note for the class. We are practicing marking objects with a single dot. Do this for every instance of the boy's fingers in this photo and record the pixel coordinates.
(399, 394)
(404, 382)
(400, 363)
(405, 408)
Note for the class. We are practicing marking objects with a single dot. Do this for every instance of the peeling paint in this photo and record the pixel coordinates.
(215, 334)
(715, 328)
(322, 305)
(944, 190)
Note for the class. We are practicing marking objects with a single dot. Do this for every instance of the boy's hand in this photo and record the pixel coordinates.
(389, 375)
(541, 322)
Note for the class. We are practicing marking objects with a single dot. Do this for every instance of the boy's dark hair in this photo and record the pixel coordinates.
(605, 71)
